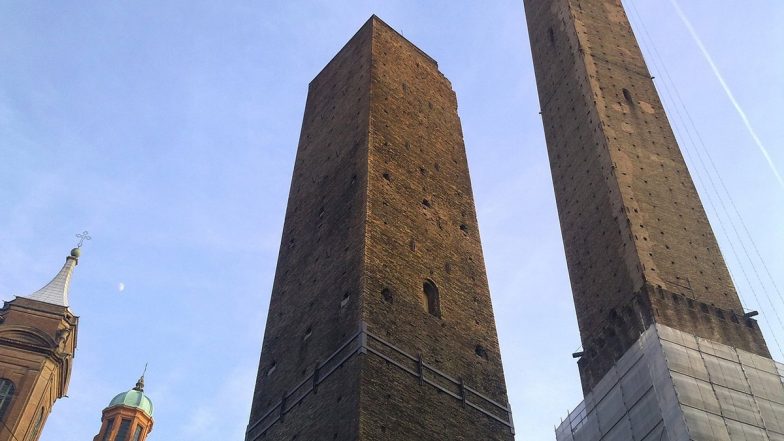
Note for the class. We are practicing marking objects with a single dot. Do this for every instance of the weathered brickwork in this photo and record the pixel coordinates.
(421, 225)
(631, 219)
(381, 229)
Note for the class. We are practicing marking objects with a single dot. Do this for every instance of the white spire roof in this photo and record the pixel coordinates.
(56, 291)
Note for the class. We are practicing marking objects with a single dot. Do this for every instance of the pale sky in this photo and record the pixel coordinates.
(168, 130)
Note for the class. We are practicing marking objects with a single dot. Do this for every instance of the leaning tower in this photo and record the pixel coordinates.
(668, 353)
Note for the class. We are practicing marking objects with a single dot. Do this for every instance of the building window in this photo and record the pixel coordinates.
(137, 435)
(430, 298)
(108, 431)
(272, 368)
(7, 390)
(386, 294)
(124, 431)
(628, 96)
(33, 434)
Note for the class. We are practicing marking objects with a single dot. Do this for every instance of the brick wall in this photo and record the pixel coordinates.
(421, 225)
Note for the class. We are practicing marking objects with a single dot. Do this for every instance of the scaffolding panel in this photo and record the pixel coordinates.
(675, 386)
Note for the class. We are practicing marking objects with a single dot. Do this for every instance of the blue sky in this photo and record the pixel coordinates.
(168, 129)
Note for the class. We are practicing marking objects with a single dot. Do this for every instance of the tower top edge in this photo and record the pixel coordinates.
(374, 22)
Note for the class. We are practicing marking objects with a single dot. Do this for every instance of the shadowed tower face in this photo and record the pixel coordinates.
(380, 325)
(637, 240)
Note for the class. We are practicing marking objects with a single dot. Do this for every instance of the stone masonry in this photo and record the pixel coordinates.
(380, 325)
(638, 244)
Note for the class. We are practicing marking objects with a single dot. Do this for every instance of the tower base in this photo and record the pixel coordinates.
(674, 386)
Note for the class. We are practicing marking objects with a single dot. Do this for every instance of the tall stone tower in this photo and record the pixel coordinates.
(128, 417)
(648, 279)
(380, 325)
(37, 345)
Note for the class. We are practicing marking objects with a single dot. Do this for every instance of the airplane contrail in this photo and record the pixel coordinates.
(727, 91)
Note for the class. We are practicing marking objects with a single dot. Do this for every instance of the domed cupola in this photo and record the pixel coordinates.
(128, 416)
(134, 398)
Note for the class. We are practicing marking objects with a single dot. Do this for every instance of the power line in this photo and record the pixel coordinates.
(677, 114)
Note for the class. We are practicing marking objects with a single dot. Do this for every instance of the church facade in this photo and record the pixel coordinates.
(37, 344)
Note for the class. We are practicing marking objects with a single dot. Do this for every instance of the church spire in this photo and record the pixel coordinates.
(56, 291)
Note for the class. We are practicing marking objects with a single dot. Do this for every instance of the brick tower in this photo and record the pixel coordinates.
(37, 345)
(648, 279)
(380, 325)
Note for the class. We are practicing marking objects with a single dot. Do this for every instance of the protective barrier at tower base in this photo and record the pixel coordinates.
(674, 386)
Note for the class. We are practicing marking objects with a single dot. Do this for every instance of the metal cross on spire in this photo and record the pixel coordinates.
(82, 237)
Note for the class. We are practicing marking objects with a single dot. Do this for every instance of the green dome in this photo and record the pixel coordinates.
(135, 399)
